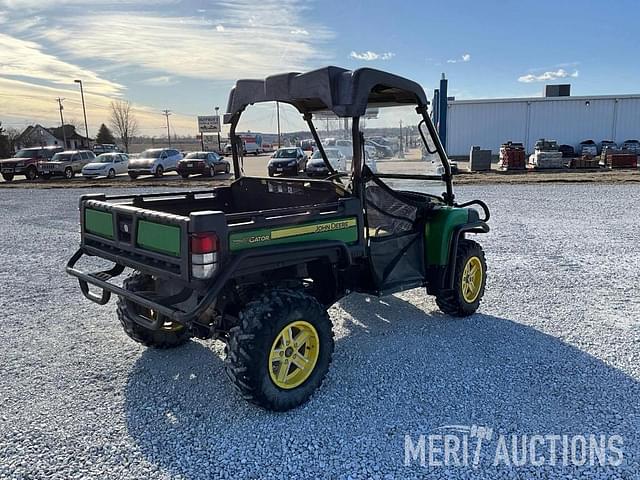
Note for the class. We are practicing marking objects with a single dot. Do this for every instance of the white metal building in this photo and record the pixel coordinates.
(569, 120)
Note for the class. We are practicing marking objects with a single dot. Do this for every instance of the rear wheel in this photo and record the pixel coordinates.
(281, 351)
(133, 176)
(31, 173)
(469, 280)
(170, 334)
(69, 173)
(7, 177)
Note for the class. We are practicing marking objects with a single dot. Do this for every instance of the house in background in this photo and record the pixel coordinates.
(39, 136)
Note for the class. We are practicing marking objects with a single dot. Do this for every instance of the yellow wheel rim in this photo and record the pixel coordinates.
(294, 354)
(471, 279)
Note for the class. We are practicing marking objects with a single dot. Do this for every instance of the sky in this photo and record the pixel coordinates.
(185, 55)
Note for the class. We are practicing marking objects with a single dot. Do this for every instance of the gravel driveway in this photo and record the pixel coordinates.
(555, 350)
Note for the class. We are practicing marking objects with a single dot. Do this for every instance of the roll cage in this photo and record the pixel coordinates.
(347, 94)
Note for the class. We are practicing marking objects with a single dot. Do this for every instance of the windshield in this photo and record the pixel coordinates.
(286, 153)
(151, 154)
(105, 158)
(197, 156)
(62, 157)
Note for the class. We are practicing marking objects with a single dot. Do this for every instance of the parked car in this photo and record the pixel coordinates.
(107, 165)
(65, 164)
(202, 163)
(287, 161)
(154, 161)
(308, 145)
(99, 148)
(25, 162)
(316, 165)
(384, 151)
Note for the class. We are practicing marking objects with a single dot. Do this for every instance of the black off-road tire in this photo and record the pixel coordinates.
(161, 339)
(8, 177)
(133, 176)
(247, 362)
(452, 302)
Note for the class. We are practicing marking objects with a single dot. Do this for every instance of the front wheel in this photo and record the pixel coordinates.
(159, 171)
(469, 280)
(111, 174)
(8, 177)
(69, 173)
(31, 174)
(133, 176)
(281, 351)
(170, 334)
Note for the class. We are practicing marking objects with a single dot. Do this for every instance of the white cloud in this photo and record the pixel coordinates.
(547, 76)
(161, 81)
(21, 58)
(369, 56)
(466, 57)
(162, 43)
(299, 31)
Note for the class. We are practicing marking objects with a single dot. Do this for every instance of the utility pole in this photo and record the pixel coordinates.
(278, 115)
(219, 128)
(166, 113)
(401, 146)
(84, 110)
(64, 134)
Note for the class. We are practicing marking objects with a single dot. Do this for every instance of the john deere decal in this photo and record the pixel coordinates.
(344, 229)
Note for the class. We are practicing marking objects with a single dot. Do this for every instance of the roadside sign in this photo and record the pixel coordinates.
(209, 124)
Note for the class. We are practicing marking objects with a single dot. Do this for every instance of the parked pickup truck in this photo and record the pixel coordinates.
(257, 263)
(25, 162)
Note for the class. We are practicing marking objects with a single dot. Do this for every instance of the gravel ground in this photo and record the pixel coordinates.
(555, 349)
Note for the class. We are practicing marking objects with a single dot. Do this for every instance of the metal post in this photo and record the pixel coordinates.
(442, 120)
(219, 128)
(202, 140)
(166, 114)
(64, 134)
(84, 110)
(278, 115)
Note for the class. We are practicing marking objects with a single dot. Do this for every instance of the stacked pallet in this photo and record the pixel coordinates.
(546, 155)
(512, 156)
(586, 161)
(621, 160)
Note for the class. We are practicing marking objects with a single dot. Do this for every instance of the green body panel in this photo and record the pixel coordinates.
(343, 229)
(159, 238)
(98, 223)
(438, 233)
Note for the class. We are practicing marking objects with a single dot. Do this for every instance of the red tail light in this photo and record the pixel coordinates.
(204, 243)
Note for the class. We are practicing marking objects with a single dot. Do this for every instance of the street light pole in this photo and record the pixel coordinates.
(219, 127)
(84, 110)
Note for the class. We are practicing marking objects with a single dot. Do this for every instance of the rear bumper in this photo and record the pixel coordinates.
(192, 170)
(283, 170)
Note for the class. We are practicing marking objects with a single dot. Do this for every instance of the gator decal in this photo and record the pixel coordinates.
(344, 229)
(98, 222)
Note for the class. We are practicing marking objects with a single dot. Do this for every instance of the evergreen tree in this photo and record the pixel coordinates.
(105, 135)
(5, 149)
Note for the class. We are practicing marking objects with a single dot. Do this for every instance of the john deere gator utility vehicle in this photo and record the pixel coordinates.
(257, 263)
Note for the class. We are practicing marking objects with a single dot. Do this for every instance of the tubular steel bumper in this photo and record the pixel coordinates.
(165, 305)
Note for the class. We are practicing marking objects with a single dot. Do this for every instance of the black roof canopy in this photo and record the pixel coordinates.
(346, 93)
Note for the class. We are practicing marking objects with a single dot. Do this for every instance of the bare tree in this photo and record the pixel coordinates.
(123, 121)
